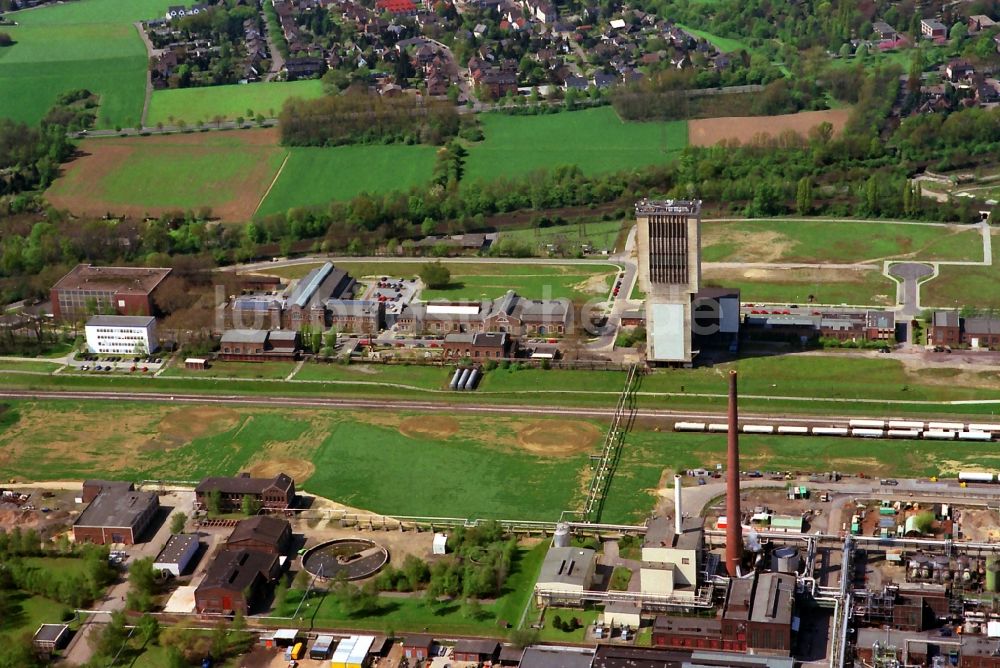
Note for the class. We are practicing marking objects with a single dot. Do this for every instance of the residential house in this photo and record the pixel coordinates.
(933, 29)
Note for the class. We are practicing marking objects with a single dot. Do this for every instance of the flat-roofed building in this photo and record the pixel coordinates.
(116, 516)
(49, 638)
(556, 657)
(87, 290)
(671, 561)
(669, 250)
(277, 493)
(566, 570)
(176, 555)
(122, 334)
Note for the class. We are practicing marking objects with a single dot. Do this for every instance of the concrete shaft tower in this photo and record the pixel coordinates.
(669, 248)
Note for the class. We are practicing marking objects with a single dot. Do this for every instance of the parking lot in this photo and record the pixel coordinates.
(89, 362)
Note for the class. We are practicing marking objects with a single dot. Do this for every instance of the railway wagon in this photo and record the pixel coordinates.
(861, 432)
(867, 424)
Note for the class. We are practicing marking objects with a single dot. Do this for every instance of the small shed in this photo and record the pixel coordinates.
(49, 638)
(476, 651)
(196, 363)
(510, 655)
(417, 647)
(440, 544)
(786, 523)
(281, 638)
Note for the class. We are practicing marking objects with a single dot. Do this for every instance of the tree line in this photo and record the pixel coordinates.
(361, 116)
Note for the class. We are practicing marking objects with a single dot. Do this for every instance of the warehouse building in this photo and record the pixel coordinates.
(177, 554)
(87, 289)
(617, 656)
(121, 334)
(236, 581)
(568, 570)
(277, 493)
(260, 345)
(116, 517)
(352, 652)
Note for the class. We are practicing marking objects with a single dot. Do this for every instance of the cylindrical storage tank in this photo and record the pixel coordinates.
(992, 574)
(785, 560)
(562, 536)
(454, 379)
(470, 383)
(461, 379)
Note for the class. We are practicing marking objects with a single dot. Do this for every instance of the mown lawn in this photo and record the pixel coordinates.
(380, 469)
(841, 242)
(865, 287)
(430, 377)
(958, 286)
(595, 140)
(27, 613)
(19, 365)
(317, 176)
(87, 44)
(724, 44)
(416, 614)
(204, 103)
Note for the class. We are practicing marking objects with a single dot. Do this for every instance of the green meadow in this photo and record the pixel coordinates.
(87, 44)
(204, 103)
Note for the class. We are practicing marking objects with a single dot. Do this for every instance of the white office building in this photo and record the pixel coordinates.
(122, 334)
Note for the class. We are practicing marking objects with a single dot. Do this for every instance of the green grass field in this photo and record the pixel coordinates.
(594, 139)
(19, 365)
(794, 286)
(316, 176)
(601, 235)
(442, 477)
(204, 103)
(27, 613)
(958, 286)
(416, 614)
(430, 377)
(88, 44)
(841, 242)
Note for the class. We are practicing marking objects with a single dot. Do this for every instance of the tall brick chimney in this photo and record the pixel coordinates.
(734, 530)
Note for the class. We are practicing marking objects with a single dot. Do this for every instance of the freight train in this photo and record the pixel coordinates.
(865, 428)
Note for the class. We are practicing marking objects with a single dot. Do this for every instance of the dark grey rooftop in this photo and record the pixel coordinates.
(115, 508)
(245, 336)
(772, 601)
(557, 657)
(660, 533)
(567, 565)
(121, 321)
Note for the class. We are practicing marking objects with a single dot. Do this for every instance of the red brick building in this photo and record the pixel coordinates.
(417, 647)
(87, 289)
(116, 516)
(482, 345)
(277, 493)
(260, 345)
(476, 651)
(262, 533)
(91, 488)
(236, 581)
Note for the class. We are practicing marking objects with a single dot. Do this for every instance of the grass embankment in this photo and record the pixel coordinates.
(603, 235)
(90, 44)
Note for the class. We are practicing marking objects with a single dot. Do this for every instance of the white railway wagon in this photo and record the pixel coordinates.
(975, 436)
(786, 429)
(862, 432)
(976, 476)
(689, 426)
(717, 427)
(757, 429)
(867, 424)
(905, 424)
(830, 431)
(940, 434)
(946, 426)
(903, 433)
(975, 426)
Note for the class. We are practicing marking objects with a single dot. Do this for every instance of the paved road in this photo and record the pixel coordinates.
(910, 273)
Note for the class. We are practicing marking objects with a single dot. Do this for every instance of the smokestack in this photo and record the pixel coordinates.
(734, 530)
(677, 505)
